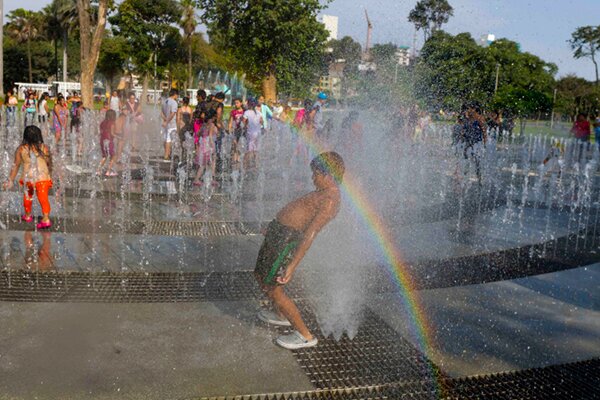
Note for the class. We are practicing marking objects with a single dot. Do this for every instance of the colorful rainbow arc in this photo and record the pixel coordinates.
(397, 269)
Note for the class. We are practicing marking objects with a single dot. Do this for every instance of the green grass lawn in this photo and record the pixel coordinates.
(558, 131)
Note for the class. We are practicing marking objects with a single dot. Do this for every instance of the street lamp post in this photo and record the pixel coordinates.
(552, 113)
(497, 76)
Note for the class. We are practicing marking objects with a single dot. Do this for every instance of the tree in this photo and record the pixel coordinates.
(585, 42)
(91, 31)
(24, 26)
(15, 58)
(430, 15)
(278, 43)
(67, 19)
(384, 54)
(522, 103)
(113, 59)
(52, 29)
(575, 95)
(451, 70)
(348, 51)
(454, 69)
(188, 24)
(148, 28)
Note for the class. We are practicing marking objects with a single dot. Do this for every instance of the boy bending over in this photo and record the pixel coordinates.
(288, 238)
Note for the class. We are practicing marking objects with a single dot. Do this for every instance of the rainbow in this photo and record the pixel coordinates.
(421, 328)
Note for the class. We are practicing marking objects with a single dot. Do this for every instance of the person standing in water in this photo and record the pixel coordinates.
(114, 102)
(288, 238)
(11, 108)
(30, 108)
(60, 116)
(266, 113)
(169, 122)
(134, 118)
(107, 146)
(43, 113)
(236, 128)
(36, 160)
(185, 126)
(205, 148)
(252, 120)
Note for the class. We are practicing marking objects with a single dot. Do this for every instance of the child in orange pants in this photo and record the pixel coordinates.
(36, 160)
(41, 189)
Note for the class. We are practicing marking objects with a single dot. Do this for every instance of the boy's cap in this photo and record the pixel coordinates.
(322, 96)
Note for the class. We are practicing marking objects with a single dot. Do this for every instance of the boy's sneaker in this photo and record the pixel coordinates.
(272, 318)
(295, 341)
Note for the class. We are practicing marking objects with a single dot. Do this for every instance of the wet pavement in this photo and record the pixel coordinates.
(144, 292)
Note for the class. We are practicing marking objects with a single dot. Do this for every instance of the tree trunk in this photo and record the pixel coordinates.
(523, 121)
(90, 45)
(596, 68)
(55, 59)
(190, 78)
(29, 60)
(65, 43)
(269, 87)
(145, 89)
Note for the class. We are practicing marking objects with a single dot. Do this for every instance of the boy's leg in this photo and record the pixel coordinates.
(288, 308)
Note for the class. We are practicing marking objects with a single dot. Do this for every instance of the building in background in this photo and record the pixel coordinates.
(403, 55)
(332, 82)
(331, 24)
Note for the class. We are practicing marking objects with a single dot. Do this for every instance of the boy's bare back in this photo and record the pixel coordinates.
(300, 213)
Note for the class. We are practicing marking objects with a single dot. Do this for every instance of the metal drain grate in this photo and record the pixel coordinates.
(141, 286)
(200, 228)
(127, 287)
(162, 228)
(377, 355)
(131, 287)
(574, 381)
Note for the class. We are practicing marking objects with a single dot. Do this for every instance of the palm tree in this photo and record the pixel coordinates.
(60, 18)
(52, 29)
(188, 24)
(24, 26)
(68, 21)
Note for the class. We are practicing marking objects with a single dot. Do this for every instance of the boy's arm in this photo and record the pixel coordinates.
(326, 214)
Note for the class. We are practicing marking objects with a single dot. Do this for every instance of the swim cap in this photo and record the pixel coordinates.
(322, 96)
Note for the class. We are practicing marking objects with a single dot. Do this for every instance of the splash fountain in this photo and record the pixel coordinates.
(402, 288)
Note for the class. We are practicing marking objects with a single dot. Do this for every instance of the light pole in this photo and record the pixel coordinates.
(552, 113)
(497, 76)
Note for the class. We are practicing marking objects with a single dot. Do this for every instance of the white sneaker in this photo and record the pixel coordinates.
(272, 318)
(295, 341)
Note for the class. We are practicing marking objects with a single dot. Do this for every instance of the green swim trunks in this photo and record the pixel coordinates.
(276, 252)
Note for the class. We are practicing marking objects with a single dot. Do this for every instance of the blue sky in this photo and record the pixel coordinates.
(542, 27)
